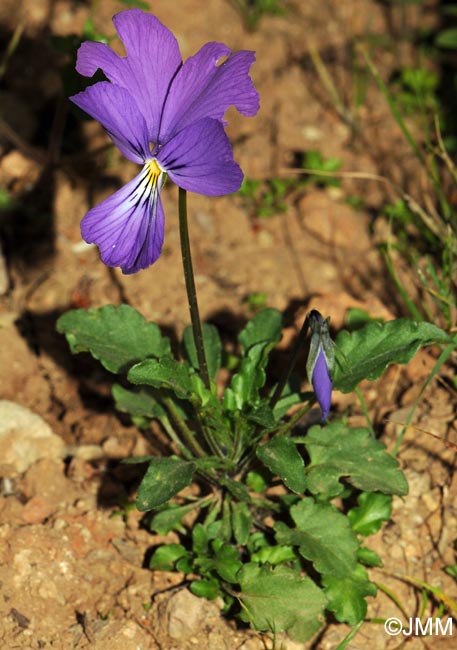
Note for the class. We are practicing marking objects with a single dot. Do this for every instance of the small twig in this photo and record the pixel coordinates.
(11, 48)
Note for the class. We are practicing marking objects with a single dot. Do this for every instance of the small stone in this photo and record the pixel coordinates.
(25, 437)
(185, 613)
(4, 279)
(36, 510)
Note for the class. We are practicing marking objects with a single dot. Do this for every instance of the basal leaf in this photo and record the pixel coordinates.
(274, 555)
(164, 478)
(164, 373)
(266, 326)
(165, 557)
(281, 457)
(117, 336)
(368, 557)
(346, 597)
(241, 522)
(207, 588)
(138, 403)
(211, 343)
(338, 451)
(280, 600)
(170, 516)
(250, 378)
(323, 535)
(227, 561)
(373, 511)
(366, 353)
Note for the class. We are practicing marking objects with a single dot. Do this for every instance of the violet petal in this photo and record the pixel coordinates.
(128, 226)
(152, 60)
(202, 88)
(322, 384)
(117, 112)
(200, 159)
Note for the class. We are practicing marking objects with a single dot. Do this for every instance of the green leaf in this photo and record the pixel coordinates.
(117, 336)
(274, 555)
(256, 481)
(447, 38)
(241, 522)
(281, 457)
(280, 600)
(199, 540)
(166, 373)
(250, 378)
(263, 416)
(169, 518)
(165, 557)
(164, 478)
(138, 403)
(368, 557)
(207, 588)
(236, 488)
(227, 562)
(265, 326)
(366, 353)
(323, 535)
(211, 343)
(346, 597)
(373, 511)
(338, 450)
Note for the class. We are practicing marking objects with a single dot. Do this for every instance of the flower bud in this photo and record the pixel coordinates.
(321, 360)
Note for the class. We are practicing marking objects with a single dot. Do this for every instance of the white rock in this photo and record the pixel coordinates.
(25, 437)
(185, 613)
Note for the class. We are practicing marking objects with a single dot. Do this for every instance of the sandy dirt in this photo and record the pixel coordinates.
(72, 572)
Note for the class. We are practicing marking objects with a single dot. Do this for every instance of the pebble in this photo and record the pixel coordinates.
(184, 612)
(25, 437)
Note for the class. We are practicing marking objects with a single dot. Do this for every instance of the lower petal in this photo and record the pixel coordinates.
(128, 226)
(200, 159)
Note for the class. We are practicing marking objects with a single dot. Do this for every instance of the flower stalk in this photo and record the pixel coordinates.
(190, 287)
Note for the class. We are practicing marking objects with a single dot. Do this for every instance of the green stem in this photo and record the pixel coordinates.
(289, 425)
(292, 361)
(166, 424)
(190, 288)
(186, 433)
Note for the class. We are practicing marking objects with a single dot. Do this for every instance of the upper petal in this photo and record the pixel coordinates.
(128, 226)
(117, 112)
(200, 159)
(202, 88)
(152, 60)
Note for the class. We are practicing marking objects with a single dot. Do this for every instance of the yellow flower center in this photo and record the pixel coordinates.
(154, 171)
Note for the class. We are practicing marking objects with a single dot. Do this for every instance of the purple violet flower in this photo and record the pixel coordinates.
(321, 361)
(167, 116)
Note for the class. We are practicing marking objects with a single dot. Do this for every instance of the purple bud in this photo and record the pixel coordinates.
(322, 384)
